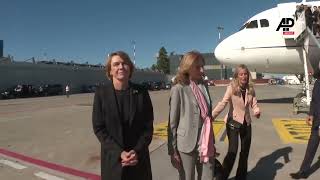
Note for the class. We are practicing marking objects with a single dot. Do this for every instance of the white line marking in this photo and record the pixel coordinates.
(7, 119)
(12, 164)
(46, 176)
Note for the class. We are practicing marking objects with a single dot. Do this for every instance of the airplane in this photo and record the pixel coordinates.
(262, 48)
(274, 41)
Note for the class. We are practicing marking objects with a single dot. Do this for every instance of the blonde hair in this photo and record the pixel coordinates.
(235, 83)
(123, 56)
(188, 60)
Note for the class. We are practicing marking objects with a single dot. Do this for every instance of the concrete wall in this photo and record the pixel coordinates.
(36, 74)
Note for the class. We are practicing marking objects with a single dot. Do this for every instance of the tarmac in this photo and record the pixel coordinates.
(52, 137)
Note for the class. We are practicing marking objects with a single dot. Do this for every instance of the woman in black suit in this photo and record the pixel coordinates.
(122, 120)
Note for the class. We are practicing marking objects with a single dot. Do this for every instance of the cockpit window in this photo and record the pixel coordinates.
(264, 23)
(244, 26)
(252, 24)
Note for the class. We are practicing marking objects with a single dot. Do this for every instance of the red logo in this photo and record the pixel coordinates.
(288, 32)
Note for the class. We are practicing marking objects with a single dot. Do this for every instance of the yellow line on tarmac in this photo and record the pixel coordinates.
(160, 130)
(292, 130)
(217, 126)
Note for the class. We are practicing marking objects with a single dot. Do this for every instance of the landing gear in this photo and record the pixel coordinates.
(301, 102)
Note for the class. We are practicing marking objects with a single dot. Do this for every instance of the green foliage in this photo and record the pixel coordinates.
(154, 67)
(163, 61)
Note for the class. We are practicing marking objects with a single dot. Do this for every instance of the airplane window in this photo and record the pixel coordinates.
(244, 26)
(252, 24)
(264, 23)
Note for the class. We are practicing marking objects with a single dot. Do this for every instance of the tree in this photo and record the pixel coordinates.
(154, 67)
(163, 61)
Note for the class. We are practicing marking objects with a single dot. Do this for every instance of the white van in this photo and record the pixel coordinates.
(291, 79)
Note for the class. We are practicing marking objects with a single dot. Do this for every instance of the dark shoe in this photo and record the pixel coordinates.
(299, 175)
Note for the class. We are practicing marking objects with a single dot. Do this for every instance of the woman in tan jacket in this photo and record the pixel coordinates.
(241, 96)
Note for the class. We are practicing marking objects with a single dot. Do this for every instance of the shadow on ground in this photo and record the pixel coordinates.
(267, 167)
(276, 100)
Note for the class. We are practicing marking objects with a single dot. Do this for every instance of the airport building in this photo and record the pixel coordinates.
(78, 76)
(213, 69)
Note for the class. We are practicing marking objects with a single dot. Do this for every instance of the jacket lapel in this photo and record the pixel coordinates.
(117, 129)
(133, 103)
(210, 101)
(191, 95)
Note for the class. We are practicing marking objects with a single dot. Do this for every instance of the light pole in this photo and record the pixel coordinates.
(134, 52)
(220, 29)
(44, 53)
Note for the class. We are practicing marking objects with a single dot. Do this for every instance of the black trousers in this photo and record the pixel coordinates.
(233, 136)
(312, 147)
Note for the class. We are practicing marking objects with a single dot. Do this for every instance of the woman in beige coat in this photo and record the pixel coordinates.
(241, 97)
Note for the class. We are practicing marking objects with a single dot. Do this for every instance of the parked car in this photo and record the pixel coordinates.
(291, 79)
(276, 81)
(18, 91)
(168, 85)
(51, 89)
(24, 90)
(157, 85)
(8, 93)
(88, 88)
(146, 84)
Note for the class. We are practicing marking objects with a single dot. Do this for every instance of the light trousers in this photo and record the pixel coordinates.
(191, 162)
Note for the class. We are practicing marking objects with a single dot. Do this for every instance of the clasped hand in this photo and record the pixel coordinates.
(309, 120)
(257, 115)
(129, 158)
(176, 160)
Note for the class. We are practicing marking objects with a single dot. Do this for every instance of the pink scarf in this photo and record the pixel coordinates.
(206, 142)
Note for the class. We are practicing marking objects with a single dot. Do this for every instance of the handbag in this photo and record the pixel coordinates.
(233, 124)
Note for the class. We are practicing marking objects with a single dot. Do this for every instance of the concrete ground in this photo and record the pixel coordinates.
(58, 130)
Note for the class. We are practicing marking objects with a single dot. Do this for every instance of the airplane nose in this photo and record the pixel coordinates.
(227, 51)
(218, 52)
(222, 52)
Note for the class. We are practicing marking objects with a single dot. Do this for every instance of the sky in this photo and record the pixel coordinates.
(88, 30)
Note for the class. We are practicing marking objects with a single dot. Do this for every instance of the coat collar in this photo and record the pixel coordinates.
(133, 101)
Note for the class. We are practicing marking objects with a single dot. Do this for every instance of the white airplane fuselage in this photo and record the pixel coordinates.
(261, 47)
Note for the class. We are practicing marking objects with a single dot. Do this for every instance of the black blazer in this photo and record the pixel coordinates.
(109, 131)
(315, 105)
